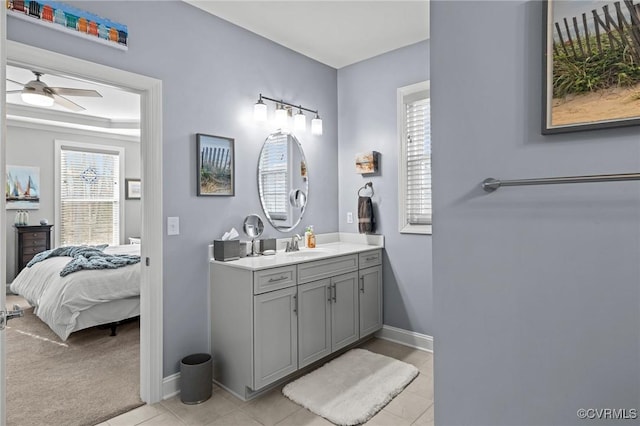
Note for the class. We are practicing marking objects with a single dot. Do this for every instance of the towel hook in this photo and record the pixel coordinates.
(368, 184)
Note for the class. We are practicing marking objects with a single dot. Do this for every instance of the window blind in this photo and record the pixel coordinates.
(274, 177)
(89, 197)
(418, 149)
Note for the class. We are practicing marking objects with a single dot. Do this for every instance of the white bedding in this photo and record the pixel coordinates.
(60, 300)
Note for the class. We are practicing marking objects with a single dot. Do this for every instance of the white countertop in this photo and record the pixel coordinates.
(323, 250)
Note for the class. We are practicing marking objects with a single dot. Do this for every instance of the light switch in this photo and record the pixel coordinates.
(349, 217)
(173, 225)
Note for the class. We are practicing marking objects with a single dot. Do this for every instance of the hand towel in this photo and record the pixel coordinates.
(366, 221)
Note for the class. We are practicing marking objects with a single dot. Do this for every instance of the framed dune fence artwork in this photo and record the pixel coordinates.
(367, 162)
(22, 190)
(215, 165)
(591, 75)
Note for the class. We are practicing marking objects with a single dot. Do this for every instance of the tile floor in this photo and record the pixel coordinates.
(413, 406)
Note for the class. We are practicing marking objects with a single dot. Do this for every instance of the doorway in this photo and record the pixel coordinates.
(150, 91)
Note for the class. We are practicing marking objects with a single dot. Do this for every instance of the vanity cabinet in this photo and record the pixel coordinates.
(328, 317)
(275, 325)
(269, 322)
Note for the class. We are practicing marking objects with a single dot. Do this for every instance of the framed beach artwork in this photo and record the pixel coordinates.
(591, 75)
(215, 165)
(22, 189)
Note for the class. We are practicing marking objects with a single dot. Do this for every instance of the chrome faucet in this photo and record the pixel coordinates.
(293, 245)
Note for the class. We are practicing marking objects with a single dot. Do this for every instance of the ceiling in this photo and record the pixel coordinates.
(336, 33)
(116, 112)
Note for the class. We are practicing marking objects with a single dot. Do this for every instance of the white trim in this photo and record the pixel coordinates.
(150, 90)
(87, 146)
(50, 127)
(65, 118)
(405, 337)
(402, 94)
(3, 214)
(171, 386)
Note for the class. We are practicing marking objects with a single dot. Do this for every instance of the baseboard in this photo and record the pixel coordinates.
(404, 337)
(170, 386)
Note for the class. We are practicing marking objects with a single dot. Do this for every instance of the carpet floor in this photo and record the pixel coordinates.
(84, 381)
(352, 388)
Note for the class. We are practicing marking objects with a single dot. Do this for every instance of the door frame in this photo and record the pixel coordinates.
(151, 285)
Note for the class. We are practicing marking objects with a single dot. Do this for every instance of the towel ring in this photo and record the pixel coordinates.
(368, 184)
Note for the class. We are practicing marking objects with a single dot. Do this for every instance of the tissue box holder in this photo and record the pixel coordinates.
(267, 244)
(226, 250)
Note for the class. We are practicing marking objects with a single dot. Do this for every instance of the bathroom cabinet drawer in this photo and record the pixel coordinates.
(274, 279)
(370, 258)
(319, 269)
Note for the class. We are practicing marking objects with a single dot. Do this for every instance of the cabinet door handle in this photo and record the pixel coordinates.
(295, 304)
(329, 291)
(361, 284)
(335, 294)
(273, 280)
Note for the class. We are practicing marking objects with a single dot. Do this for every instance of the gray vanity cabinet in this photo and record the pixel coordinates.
(314, 321)
(344, 310)
(275, 325)
(370, 294)
(328, 317)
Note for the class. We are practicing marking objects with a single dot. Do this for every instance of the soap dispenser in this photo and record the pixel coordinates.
(310, 238)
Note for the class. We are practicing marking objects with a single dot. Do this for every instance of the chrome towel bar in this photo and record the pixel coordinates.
(491, 184)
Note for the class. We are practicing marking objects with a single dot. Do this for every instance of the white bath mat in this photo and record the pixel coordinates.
(350, 389)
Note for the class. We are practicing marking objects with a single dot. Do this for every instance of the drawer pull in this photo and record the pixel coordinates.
(372, 258)
(275, 280)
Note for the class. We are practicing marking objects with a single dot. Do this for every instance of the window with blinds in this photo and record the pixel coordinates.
(274, 177)
(89, 204)
(414, 122)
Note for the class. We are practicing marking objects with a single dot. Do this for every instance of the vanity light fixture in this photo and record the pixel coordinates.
(283, 111)
(260, 110)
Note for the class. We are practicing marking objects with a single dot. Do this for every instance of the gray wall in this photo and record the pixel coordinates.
(368, 122)
(536, 289)
(36, 148)
(212, 72)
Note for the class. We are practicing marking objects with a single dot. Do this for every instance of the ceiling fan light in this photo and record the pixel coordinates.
(37, 99)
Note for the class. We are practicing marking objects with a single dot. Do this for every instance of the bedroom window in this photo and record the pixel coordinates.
(88, 187)
(414, 132)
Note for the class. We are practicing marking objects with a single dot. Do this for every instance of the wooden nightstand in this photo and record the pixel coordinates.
(29, 241)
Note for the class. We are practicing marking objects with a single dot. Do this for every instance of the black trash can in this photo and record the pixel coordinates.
(195, 378)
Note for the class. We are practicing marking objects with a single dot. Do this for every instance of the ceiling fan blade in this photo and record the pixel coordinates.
(68, 91)
(62, 101)
(16, 82)
(8, 92)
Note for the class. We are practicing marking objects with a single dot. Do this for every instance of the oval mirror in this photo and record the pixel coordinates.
(283, 183)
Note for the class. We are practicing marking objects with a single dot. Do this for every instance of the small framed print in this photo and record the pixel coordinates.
(132, 189)
(215, 165)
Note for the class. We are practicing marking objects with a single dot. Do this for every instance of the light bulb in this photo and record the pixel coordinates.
(260, 111)
(281, 117)
(299, 121)
(38, 99)
(316, 125)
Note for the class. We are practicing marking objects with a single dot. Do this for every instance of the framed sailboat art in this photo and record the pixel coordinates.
(22, 189)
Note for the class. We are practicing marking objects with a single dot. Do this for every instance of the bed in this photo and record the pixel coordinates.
(81, 299)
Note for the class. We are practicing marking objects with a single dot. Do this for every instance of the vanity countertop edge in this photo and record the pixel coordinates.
(326, 250)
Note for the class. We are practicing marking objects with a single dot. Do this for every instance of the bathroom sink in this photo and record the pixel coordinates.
(309, 252)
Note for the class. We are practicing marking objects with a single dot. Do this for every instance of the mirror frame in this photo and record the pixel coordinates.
(291, 139)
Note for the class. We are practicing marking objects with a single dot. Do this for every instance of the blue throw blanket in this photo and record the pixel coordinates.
(86, 257)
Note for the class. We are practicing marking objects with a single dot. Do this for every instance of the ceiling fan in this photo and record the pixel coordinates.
(38, 93)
